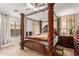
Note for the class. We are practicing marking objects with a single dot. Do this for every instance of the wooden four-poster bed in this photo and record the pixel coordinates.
(43, 43)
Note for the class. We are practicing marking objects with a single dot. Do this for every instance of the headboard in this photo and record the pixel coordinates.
(45, 30)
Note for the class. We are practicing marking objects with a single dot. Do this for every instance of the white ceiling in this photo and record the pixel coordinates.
(60, 9)
(66, 8)
(9, 8)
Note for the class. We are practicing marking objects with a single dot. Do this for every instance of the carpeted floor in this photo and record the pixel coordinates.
(12, 50)
(67, 51)
(16, 51)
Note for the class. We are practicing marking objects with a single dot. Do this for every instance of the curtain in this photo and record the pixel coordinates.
(4, 30)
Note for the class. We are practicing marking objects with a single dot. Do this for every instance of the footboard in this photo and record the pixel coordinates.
(35, 45)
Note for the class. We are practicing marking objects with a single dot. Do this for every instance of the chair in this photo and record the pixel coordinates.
(59, 49)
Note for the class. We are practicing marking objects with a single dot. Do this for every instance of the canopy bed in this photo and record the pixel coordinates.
(45, 42)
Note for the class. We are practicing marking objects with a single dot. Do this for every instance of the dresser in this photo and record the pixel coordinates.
(76, 47)
(66, 41)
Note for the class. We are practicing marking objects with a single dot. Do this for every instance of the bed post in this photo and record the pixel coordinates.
(40, 23)
(22, 30)
(50, 27)
(58, 25)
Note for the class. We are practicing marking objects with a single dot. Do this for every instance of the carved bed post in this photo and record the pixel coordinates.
(40, 24)
(51, 28)
(22, 30)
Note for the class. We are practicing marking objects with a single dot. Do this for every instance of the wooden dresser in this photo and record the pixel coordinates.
(76, 47)
(66, 41)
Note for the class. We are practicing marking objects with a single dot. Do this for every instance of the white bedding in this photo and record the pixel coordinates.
(54, 41)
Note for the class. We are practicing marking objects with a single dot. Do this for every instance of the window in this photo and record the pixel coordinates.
(15, 32)
(14, 29)
(67, 25)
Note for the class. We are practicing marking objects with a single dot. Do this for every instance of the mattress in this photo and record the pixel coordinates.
(41, 37)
